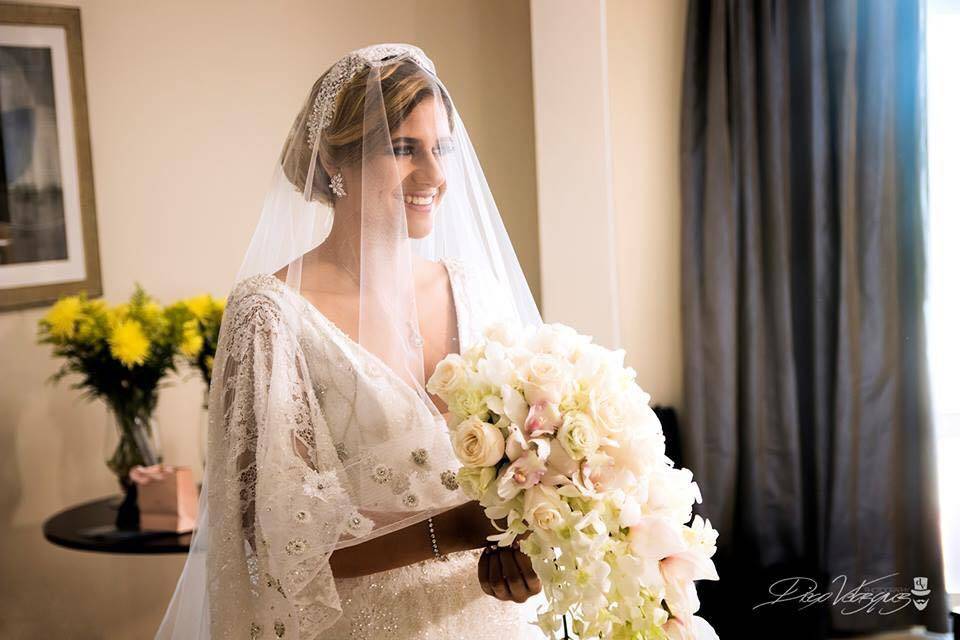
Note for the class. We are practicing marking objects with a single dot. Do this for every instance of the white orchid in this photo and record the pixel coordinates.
(523, 473)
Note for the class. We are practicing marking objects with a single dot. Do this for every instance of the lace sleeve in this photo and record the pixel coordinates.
(283, 491)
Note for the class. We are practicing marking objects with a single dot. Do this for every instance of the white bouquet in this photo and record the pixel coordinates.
(555, 435)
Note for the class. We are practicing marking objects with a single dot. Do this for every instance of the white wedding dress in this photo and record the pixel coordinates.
(342, 384)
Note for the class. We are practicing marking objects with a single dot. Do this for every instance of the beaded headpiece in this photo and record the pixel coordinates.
(345, 69)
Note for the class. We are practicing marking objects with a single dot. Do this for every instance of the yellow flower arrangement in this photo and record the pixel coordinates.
(201, 328)
(128, 344)
(121, 353)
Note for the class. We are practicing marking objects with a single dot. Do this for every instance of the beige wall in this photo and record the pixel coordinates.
(574, 174)
(188, 104)
(607, 78)
(645, 60)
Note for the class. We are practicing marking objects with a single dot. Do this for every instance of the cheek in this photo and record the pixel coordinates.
(384, 176)
(404, 170)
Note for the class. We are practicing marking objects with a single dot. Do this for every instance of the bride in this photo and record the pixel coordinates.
(330, 506)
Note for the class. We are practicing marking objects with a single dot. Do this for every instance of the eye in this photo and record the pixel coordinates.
(402, 150)
(445, 149)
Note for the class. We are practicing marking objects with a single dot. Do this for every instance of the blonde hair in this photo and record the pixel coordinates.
(404, 85)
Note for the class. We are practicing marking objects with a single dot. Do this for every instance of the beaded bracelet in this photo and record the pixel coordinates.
(433, 541)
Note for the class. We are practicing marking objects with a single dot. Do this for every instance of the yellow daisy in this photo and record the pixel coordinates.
(200, 305)
(192, 340)
(128, 344)
(63, 316)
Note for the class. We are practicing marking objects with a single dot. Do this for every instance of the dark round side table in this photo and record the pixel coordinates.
(91, 527)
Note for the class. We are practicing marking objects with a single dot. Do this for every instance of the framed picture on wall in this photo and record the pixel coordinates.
(48, 222)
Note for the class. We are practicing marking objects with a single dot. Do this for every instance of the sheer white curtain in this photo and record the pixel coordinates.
(942, 307)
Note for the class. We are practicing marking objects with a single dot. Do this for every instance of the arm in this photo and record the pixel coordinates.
(459, 529)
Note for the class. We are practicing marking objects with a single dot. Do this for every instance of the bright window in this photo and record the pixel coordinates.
(942, 307)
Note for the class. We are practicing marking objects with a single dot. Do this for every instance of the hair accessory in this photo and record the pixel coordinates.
(343, 72)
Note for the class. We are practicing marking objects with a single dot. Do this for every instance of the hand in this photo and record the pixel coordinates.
(471, 527)
(506, 573)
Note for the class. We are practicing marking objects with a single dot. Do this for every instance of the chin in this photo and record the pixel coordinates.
(420, 223)
(417, 229)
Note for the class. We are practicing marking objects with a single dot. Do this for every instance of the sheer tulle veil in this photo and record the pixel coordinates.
(354, 202)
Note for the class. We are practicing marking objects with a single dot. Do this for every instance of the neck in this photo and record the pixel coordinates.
(342, 249)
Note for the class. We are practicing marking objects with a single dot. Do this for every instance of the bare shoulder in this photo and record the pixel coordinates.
(434, 274)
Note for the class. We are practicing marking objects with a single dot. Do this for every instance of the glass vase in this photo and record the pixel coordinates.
(136, 435)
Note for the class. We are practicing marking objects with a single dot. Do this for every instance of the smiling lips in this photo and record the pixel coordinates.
(420, 201)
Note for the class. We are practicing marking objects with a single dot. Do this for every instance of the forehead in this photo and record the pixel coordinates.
(427, 120)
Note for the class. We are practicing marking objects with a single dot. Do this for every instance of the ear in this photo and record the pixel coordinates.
(330, 169)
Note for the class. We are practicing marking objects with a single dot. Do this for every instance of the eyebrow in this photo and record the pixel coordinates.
(417, 140)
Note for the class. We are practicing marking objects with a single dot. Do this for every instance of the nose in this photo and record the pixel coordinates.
(429, 170)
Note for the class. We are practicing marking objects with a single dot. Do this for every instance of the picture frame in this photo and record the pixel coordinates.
(48, 225)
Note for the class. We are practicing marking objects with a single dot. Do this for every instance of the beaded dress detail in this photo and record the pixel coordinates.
(287, 465)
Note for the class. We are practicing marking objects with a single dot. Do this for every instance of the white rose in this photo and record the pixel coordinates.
(612, 416)
(545, 379)
(477, 443)
(470, 401)
(501, 331)
(542, 510)
(578, 435)
(449, 377)
(595, 365)
(626, 415)
(558, 339)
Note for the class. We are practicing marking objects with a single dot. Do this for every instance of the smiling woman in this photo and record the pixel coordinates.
(330, 496)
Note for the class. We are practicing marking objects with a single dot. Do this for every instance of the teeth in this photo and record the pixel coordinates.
(418, 200)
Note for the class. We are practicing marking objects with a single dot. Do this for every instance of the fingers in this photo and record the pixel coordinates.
(514, 579)
(530, 576)
(483, 572)
(507, 574)
(525, 564)
(496, 578)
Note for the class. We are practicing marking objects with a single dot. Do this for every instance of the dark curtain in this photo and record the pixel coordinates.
(808, 424)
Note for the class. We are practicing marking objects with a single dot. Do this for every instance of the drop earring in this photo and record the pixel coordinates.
(336, 185)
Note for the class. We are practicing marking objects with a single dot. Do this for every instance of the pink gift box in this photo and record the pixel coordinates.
(170, 502)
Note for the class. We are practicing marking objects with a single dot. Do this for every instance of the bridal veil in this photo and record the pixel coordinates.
(356, 200)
